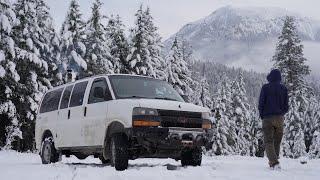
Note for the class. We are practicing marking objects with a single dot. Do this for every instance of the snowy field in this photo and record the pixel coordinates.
(17, 166)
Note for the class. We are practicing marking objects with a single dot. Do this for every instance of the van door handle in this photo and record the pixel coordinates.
(69, 114)
(85, 112)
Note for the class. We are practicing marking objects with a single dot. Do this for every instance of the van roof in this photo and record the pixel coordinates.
(90, 77)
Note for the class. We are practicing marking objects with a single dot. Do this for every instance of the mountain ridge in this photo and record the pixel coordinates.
(244, 36)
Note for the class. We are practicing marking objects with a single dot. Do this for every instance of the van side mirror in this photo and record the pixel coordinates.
(185, 98)
(98, 92)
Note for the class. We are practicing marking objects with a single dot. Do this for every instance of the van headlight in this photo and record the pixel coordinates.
(145, 117)
(144, 111)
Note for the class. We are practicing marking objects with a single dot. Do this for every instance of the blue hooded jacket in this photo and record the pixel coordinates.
(273, 97)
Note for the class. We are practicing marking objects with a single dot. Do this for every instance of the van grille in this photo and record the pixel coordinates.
(180, 119)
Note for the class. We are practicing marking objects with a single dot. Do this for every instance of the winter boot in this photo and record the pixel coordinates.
(275, 165)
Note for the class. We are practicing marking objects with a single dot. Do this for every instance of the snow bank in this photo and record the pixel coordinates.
(16, 166)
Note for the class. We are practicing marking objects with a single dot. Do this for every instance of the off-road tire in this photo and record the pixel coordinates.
(191, 157)
(119, 152)
(48, 152)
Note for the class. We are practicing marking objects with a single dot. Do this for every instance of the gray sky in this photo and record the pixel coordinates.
(171, 15)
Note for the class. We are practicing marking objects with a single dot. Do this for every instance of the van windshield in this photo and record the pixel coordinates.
(142, 87)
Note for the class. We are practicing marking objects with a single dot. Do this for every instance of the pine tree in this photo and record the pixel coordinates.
(241, 115)
(289, 57)
(33, 70)
(178, 73)
(187, 52)
(145, 57)
(98, 57)
(9, 78)
(155, 47)
(313, 129)
(205, 97)
(49, 49)
(72, 44)
(224, 140)
(290, 61)
(312, 122)
(315, 146)
(119, 46)
(255, 133)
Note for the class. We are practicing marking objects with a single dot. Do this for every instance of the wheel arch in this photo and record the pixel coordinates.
(113, 128)
(46, 133)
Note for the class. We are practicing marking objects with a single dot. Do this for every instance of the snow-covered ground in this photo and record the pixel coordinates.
(18, 166)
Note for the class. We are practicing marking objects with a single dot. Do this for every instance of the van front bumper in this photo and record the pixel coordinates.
(170, 137)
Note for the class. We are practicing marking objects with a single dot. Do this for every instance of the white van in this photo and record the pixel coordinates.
(120, 117)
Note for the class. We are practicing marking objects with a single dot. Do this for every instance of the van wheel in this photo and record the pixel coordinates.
(48, 152)
(191, 157)
(119, 152)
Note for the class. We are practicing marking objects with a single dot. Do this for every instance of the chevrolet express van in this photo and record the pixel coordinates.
(118, 118)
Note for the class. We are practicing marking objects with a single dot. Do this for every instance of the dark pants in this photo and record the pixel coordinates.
(273, 132)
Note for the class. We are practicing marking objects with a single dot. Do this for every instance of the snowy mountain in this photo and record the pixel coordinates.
(246, 36)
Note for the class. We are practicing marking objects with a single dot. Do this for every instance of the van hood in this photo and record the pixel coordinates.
(171, 105)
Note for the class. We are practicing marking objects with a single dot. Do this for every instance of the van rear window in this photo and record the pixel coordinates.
(51, 101)
(78, 94)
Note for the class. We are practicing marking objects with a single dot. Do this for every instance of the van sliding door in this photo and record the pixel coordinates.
(73, 124)
(62, 121)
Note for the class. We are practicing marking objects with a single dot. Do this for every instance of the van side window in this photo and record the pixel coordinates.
(51, 101)
(99, 91)
(66, 97)
(78, 93)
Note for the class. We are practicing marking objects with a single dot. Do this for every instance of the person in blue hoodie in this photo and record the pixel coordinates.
(273, 105)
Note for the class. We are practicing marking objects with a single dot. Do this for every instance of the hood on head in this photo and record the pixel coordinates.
(274, 76)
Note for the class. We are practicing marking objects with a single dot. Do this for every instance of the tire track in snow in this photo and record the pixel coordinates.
(74, 172)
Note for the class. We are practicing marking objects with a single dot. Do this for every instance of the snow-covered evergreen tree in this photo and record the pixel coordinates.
(253, 80)
(187, 52)
(205, 98)
(241, 115)
(179, 74)
(294, 143)
(256, 134)
(49, 49)
(315, 145)
(145, 54)
(98, 57)
(311, 122)
(224, 140)
(119, 47)
(72, 44)
(289, 57)
(9, 78)
(290, 61)
(33, 70)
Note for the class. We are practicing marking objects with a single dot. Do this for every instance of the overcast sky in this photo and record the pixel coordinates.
(171, 15)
